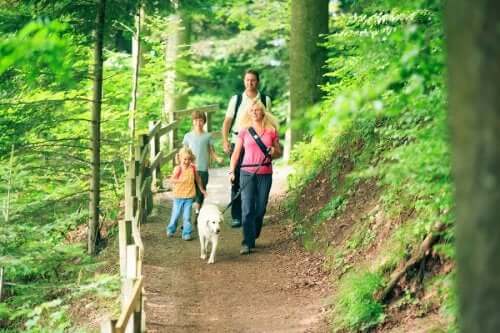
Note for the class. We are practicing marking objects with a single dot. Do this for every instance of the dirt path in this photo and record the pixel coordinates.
(276, 289)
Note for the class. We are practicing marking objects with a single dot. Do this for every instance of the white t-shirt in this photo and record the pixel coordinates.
(245, 103)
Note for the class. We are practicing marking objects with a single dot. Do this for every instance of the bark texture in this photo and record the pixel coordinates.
(95, 131)
(307, 58)
(136, 64)
(473, 29)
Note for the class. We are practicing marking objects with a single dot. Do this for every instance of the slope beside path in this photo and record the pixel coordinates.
(278, 288)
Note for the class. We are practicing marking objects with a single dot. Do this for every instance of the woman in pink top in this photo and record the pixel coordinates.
(256, 169)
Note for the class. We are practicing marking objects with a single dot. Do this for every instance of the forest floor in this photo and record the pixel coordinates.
(277, 288)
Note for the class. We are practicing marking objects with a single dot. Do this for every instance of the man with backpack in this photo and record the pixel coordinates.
(237, 105)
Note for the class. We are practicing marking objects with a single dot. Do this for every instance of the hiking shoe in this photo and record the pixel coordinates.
(244, 249)
(235, 223)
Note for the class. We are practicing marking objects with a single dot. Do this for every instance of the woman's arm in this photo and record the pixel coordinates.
(234, 157)
(275, 149)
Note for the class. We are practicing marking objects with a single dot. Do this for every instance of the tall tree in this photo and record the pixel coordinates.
(176, 50)
(474, 109)
(309, 20)
(170, 77)
(136, 59)
(95, 130)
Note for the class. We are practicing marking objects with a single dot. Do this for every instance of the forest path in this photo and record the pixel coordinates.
(278, 288)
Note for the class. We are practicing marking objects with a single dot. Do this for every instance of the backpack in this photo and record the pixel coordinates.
(239, 98)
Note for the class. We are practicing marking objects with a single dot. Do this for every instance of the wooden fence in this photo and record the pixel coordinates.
(143, 175)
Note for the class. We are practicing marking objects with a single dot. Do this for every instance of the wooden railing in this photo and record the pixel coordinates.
(143, 175)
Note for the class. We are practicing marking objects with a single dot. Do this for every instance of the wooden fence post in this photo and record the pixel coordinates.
(128, 283)
(154, 144)
(209, 121)
(124, 239)
(1, 282)
(108, 326)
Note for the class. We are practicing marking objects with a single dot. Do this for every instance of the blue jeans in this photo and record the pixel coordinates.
(183, 206)
(254, 197)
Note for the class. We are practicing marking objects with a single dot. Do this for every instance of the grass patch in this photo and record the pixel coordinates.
(355, 308)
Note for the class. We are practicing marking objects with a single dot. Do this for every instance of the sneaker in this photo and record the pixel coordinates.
(235, 223)
(187, 237)
(244, 249)
(170, 235)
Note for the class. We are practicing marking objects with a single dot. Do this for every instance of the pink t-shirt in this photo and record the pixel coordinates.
(253, 154)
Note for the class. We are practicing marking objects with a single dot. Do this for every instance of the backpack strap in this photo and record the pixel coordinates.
(239, 98)
(263, 99)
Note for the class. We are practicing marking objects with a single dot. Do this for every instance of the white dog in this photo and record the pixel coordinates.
(209, 221)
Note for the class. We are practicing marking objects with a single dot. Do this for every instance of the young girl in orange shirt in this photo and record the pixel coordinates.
(184, 180)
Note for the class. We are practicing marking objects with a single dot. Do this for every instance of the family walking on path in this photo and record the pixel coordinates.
(250, 137)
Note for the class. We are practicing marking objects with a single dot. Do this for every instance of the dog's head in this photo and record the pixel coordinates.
(213, 225)
(213, 218)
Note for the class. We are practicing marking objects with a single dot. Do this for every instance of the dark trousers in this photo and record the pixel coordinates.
(199, 198)
(254, 197)
(235, 187)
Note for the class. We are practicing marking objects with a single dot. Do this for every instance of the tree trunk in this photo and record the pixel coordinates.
(95, 131)
(136, 57)
(183, 47)
(474, 114)
(169, 77)
(309, 20)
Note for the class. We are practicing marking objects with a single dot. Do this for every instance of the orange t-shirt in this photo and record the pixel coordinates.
(186, 187)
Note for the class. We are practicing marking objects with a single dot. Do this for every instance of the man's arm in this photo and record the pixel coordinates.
(225, 134)
(226, 125)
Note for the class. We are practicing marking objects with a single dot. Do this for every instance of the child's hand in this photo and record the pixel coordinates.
(204, 193)
(219, 159)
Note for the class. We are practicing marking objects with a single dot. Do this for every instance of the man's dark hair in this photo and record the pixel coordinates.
(254, 72)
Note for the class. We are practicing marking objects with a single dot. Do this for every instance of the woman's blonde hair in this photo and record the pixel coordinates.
(270, 121)
(184, 151)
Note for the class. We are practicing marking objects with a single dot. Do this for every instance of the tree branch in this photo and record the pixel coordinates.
(418, 256)
(46, 101)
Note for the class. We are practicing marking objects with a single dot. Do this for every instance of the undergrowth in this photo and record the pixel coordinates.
(384, 113)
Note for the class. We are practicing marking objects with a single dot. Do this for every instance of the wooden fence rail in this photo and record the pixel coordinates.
(143, 176)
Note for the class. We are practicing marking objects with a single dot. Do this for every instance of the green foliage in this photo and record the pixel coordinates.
(383, 119)
(46, 57)
(355, 308)
(38, 46)
(43, 118)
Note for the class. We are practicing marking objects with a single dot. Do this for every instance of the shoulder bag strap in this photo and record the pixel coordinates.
(258, 141)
